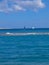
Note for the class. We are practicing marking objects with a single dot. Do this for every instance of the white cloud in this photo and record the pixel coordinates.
(18, 8)
(17, 5)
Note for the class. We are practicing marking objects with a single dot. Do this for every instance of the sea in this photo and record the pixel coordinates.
(24, 46)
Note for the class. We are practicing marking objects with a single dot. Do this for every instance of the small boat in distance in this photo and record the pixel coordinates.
(24, 27)
(33, 27)
(29, 28)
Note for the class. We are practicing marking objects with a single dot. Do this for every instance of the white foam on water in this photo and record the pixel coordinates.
(23, 34)
(32, 33)
(8, 33)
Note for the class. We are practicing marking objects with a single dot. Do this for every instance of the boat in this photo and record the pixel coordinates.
(33, 27)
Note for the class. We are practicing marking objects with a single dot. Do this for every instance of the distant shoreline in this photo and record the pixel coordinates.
(21, 28)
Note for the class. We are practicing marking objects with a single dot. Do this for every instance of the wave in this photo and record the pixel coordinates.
(23, 34)
(31, 33)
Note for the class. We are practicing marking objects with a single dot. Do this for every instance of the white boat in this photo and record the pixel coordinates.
(33, 27)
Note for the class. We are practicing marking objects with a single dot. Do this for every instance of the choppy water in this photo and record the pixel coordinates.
(24, 47)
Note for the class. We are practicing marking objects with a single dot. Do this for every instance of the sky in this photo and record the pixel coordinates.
(20, 13)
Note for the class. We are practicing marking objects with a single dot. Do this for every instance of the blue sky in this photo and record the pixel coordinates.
(20, 13)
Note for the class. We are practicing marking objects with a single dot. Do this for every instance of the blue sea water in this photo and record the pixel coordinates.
(23, 47)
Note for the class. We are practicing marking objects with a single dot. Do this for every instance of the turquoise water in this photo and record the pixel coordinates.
(24, 49)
